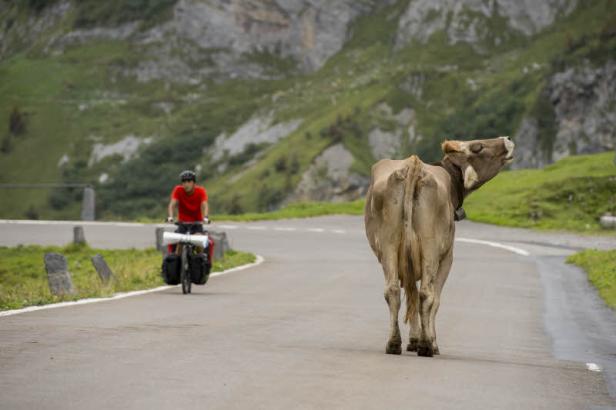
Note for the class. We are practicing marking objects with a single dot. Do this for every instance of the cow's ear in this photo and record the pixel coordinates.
(476, 147)
(450, 147)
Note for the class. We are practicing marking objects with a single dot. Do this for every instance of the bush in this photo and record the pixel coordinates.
(95, 12)
(39, 5)
(17, 122)
(281, 164)
(7, 144)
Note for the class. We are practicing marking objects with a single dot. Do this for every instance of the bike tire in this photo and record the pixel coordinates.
(185, 273)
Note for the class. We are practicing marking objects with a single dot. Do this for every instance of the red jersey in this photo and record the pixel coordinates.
(189, 206)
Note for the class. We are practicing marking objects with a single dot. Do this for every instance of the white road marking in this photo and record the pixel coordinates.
(86, 223)
(122, 295)
(228, 226)
(513, 249)
(593, 367)
(285, 229)
(338, 231)
(256, 228)
(316, 230)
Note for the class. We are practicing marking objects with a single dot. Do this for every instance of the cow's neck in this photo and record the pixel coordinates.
(457, 192)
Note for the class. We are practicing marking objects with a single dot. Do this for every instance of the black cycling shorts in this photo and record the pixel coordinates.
(193, 229)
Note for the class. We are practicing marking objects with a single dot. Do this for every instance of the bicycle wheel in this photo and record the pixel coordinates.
(185, 272)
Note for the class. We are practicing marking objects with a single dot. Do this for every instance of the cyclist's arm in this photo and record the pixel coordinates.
(205, 209)
(173, 204)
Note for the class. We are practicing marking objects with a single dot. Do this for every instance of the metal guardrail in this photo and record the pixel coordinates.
(88, 204)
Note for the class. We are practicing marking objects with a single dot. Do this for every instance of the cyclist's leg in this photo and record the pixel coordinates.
(178, 248)
(197, 229)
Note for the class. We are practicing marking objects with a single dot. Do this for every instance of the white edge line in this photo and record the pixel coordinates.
(86, 223)
(593, 367)
(495, 245)
(259, 260)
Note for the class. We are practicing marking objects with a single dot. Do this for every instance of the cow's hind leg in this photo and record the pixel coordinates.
(426, 302)
(412, 309)
(441, 277)
(392, 296)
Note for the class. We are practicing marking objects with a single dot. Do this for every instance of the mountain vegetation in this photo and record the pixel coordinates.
(273, 103)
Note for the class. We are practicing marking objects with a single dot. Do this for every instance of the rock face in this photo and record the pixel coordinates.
(231, 34)
(583, 100)
(257, 130)
(464, 20)
(227, 37)
(329, 178)
(17, 35)
(391, 143)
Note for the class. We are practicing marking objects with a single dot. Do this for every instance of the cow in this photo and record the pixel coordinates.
(409, 219)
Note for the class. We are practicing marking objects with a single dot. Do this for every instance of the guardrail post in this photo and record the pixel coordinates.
(58, 276)
(104, 273)
(88, 205)
(159, 240)
(221, 244)
(79, 237)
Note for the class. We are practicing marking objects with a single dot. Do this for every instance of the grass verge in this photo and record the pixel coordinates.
(300, 210)
(23, 280)
(601, 269)
(570, 194)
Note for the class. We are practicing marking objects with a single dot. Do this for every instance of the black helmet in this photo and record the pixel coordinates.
(188, 176)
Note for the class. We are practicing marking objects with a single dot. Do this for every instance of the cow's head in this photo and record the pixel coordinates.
(479, 160)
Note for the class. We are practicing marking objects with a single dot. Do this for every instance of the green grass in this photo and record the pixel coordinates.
(23, 280)
(300, 210)
(601, 269)
(570, 194)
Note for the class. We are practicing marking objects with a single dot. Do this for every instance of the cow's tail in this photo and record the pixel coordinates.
(411, 255)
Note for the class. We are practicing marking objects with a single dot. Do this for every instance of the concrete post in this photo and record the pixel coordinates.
(79, 237)
(88, 211)
(58, 276)
(104, 273)
(221, 243)
(159, 241)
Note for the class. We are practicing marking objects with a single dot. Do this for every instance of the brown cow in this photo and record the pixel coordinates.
(409, 219)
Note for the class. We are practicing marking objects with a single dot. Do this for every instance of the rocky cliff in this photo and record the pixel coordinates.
(582, 106)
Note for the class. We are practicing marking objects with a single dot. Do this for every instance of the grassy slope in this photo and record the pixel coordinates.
(23, 281)
(601, 269)
(570, 194)
(365, 73)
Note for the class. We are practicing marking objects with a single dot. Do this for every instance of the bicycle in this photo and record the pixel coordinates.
(188, 256)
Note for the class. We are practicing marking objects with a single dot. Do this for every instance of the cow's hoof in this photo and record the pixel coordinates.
(412, 346)
(393, 348)
(436, 351)
(425, 350)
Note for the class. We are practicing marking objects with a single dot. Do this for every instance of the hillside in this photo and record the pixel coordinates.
(278, 101)
(571, 194)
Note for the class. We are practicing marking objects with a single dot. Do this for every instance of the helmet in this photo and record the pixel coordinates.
(188, 176)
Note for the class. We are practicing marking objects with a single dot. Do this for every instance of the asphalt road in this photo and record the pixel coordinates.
(307, 329)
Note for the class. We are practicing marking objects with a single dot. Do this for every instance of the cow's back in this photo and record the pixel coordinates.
(432, 216)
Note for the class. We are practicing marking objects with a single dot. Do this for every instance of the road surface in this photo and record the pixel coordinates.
(307, 328)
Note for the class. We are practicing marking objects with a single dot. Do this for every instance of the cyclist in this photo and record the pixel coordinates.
(190, 200)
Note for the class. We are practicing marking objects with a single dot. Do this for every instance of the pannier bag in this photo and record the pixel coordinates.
(199, 268)
(171, 269)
